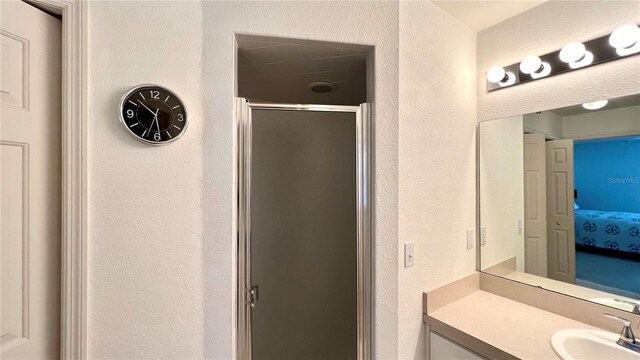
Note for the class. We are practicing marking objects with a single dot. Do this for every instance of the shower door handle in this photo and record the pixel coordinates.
(253, 296)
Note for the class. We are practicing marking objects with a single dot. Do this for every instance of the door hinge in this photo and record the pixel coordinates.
(252, 295)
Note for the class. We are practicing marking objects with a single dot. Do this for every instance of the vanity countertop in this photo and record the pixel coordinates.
(517, 329)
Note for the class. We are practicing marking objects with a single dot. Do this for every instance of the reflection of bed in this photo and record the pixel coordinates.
(609, 231)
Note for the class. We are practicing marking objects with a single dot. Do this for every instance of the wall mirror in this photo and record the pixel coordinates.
(559, 194)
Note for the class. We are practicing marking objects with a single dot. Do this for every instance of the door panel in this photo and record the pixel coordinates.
(30, 181)
(303, 250)
(560, 216)
(535, 204)
(15, 259)
(561, 238)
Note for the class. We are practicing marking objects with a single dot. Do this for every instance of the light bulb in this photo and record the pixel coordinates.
(586, 60)
(572, 52)
(544, 71)
(626, 39)
(576, 55)
(595, 105)
(510, 79)
(533, 66)
(530, 64)
(496, 74)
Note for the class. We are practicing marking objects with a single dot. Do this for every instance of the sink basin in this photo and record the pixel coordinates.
(589, 344)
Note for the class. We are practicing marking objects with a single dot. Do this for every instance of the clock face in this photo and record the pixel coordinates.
(153, 114)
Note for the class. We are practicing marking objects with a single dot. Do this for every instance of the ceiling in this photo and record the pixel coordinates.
(480, 14)
(280, 57)
(278, 69)
(621, 102)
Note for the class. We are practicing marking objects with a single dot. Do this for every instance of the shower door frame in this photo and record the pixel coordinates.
(364, 211)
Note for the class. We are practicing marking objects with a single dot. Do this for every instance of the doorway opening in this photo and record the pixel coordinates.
(304, 200)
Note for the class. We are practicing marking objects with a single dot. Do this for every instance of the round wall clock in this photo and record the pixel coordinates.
(153, 114)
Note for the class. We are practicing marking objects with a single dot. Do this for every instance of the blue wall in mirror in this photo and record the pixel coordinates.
(607, 174)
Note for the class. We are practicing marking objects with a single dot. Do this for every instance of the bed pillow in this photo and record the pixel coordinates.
(576, 206)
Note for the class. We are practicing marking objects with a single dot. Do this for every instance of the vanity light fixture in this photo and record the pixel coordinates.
(621, 43)
(626, 39)
(532, 65)
(497, 75)
(576, 55)
(595, 105)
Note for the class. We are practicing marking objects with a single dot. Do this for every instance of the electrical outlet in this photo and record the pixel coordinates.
(483, 235)
(470, 239)
(409, 256)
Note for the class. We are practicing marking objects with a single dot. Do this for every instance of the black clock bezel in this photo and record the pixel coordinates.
(125, 98)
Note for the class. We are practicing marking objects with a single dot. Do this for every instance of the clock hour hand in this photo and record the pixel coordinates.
(146, 107)
(156, 118)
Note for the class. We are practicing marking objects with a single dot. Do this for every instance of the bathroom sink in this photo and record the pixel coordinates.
(589, 344)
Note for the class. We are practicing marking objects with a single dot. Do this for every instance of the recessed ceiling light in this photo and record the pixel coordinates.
(595, 105)
(322, 87)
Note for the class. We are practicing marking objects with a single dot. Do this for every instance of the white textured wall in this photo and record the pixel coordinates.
(546, 28)
(437, 158)
(502, 190)
(605, 123)
(161, 286)
(161, 240)
(149, 241)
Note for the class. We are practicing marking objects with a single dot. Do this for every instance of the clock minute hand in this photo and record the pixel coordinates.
(155, 119)
(146, 107)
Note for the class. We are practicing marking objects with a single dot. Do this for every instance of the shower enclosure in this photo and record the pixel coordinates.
(304, 231)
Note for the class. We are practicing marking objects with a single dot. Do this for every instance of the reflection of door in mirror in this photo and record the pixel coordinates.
(535, 204)
(560, 217)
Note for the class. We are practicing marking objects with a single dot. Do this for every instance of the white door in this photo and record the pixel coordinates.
(560, 217)
(535, 205)
(30, 182)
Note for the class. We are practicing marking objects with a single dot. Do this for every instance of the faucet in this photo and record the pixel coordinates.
(636, 306)
(627, 338)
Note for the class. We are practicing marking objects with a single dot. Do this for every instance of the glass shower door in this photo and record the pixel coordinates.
(304, 269)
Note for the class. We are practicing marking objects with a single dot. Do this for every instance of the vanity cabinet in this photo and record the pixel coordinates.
(442, 348)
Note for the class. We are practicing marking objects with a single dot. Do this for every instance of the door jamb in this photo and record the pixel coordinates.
(74, 216)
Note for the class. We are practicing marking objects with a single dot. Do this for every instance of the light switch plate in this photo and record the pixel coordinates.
(520, 226)
(483, 235)
(409, 255)
(470, 239)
